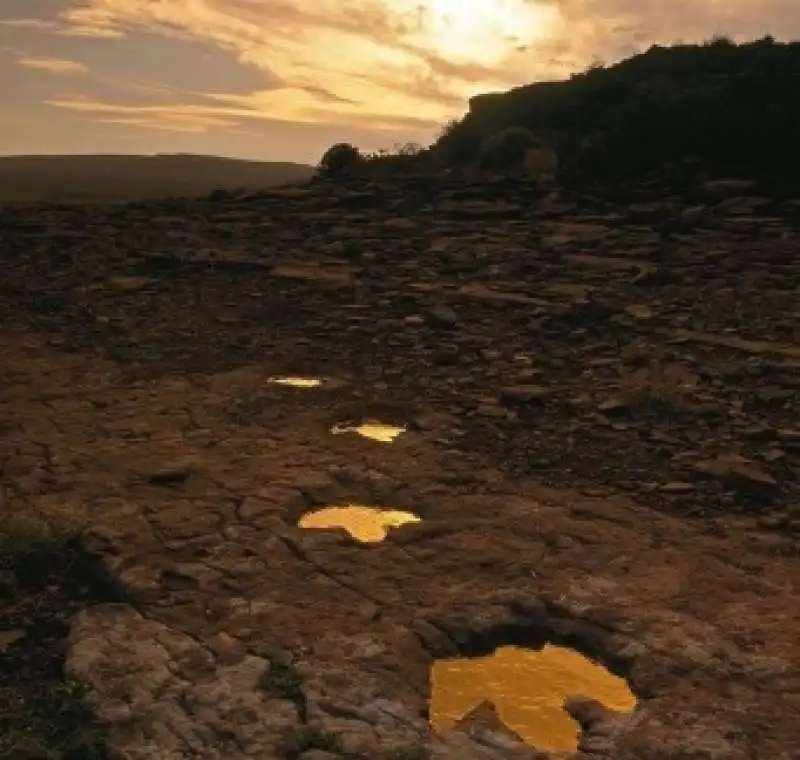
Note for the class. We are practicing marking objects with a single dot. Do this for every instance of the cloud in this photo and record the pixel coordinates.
(229, 111)
(92, 20)
(54, 65)
(613, 29)
(78, 30)
(28, 23)
(73, 28)
(168, 118)
(381, 65)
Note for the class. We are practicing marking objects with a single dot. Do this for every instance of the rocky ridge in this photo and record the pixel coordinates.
(603, 406)
(681, 111)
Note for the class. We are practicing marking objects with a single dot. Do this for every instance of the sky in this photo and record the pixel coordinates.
(282, 80)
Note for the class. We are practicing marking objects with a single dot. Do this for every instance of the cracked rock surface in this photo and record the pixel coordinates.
(604, 448)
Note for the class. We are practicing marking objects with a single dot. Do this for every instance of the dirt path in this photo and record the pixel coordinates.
(604, 448)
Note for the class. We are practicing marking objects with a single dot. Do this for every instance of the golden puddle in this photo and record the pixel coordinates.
(528, 688)
(297, 382)
(377, 431)
(368, 524)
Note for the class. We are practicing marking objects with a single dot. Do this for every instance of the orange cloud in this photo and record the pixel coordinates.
(91, 20)
(396, 64)
(28, 23)
(379, 64)
(230, 112)
(174, 123)
(53, 65)
(78, 30)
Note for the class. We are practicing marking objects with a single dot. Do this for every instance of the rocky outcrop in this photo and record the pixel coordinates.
(677, 111)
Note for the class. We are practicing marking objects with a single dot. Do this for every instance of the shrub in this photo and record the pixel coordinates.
(404, 159)
(458, 143)
(282, 681)
(507, 149)
(340, 160)
(409, 149)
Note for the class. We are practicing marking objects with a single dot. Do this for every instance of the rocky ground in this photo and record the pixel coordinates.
(603, 403)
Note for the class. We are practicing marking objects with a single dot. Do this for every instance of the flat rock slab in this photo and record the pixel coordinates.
(220, 583)
(602, 402)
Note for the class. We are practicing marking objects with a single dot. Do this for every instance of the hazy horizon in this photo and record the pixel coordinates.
(282, 80)
(151, 154)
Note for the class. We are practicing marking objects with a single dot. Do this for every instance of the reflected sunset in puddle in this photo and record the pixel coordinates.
(376, 431)
(367, 524)
(528, 688)
(297, 381)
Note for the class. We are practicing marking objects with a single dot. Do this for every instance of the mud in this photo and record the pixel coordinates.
(603, 448)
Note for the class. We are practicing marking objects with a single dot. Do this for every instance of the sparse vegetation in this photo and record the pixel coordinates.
(282, 680)
(344, 161)
(307, 738)
(43, 715)
(28, 542)
(403, 159)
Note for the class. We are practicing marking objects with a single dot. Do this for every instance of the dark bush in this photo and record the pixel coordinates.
(340, 160)
(506, 149)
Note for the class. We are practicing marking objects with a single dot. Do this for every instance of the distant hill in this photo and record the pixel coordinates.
(119, 178)
(718, 107)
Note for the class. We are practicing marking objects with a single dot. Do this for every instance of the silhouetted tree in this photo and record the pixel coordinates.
(340, 160)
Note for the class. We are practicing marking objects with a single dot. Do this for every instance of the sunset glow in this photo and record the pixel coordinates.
(286, 78)
(483, 31)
